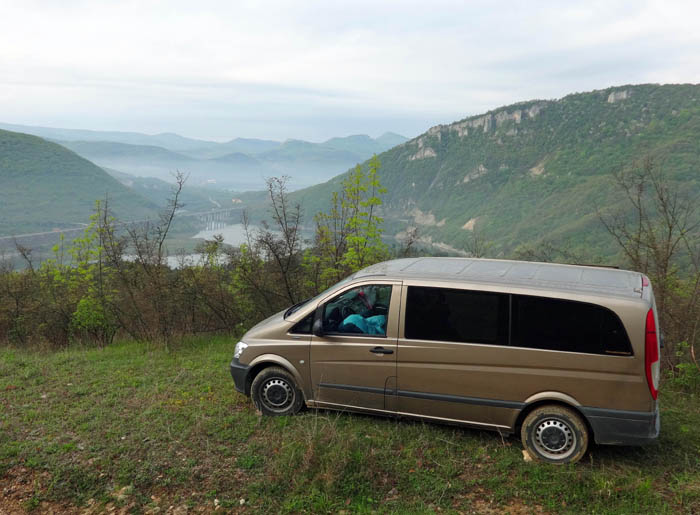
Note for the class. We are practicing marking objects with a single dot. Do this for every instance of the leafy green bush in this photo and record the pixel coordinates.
(685, 375)
(93, 322)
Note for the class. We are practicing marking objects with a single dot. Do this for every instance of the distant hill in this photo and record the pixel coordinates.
(240, 164)
(237, 158)
(238, 171)
(138, 154)
(361, 144)
(159, 192)
(310, 163)
(298, 151)
(390, 139)
(535, 170)
(247, 146)
(45, 186)
(170, 141)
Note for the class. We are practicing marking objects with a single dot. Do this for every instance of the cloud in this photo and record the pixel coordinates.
(270, 69)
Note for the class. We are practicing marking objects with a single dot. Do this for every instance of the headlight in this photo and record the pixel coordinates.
(240, 347)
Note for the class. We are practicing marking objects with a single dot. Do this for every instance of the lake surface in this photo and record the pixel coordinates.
(234, 235)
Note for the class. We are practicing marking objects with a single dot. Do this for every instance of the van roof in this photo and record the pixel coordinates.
(546, 276)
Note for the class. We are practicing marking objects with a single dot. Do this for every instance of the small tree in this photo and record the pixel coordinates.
(282, 241)
(477, 244)
(348, 236)
(151, 310)
(268, 267)
(364, 240)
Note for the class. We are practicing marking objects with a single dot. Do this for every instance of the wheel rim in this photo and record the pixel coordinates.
(277, 394)
(555, 439)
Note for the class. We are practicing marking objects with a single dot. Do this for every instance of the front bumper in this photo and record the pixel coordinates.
(618, 427)
(239, 372)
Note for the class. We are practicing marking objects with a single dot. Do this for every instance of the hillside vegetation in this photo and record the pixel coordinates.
(535, 171)
(45, 186)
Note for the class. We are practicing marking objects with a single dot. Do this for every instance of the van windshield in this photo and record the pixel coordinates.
(296, 307)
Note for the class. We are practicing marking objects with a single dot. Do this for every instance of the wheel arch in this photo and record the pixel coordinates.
(272, 360)
(555, 398)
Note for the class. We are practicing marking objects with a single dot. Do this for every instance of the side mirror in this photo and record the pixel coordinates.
(317, 328)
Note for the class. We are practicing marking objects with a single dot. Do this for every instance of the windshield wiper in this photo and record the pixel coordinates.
(295, 307)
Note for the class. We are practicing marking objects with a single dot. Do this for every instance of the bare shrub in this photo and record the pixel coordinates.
(656, 227)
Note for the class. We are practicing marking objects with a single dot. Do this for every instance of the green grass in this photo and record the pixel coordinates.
(138, 427)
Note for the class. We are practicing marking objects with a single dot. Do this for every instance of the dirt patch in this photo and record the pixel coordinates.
(18, 493)
(537, 170)
(477, 172)
(469, 226)
(19, 486)
(423, 153)
(421, 218)
(513, 507)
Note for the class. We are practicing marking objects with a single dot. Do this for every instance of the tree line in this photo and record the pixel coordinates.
(115, 281)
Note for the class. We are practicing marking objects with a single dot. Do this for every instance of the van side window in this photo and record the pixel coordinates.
(456, 315)
(565, 325)
(304, 325)
(361, 310)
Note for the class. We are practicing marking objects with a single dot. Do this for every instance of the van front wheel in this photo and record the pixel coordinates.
(275, 392)
(554, 434)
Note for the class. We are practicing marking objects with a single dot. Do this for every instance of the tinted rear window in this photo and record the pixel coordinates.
(564, 325)
(469, 316)
(456, 315)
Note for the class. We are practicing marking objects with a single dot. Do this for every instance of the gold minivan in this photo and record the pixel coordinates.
(562, 354)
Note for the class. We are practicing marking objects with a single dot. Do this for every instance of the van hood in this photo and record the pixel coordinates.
(261, 328)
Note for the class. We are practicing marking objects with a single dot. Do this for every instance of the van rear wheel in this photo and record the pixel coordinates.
(275, 392)
(554, 434)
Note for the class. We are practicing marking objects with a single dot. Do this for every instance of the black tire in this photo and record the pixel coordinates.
(275, 392)
(554, 434)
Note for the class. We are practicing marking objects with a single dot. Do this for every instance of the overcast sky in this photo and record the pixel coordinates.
(312, 70)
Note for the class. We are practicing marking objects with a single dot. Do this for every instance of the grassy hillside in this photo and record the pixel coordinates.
(536, 169)
(44, 186)
(143, 429)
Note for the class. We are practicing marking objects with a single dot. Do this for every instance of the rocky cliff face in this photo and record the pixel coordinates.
(535, 170)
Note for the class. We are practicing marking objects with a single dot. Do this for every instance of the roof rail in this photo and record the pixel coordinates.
(614, 267)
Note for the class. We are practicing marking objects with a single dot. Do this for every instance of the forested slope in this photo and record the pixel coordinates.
(537, 170)
(45, 186)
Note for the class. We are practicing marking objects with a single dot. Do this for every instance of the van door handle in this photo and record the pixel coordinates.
(381, 350)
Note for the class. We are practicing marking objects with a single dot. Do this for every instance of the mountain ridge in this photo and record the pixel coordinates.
(206, 162)
(533, 171)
